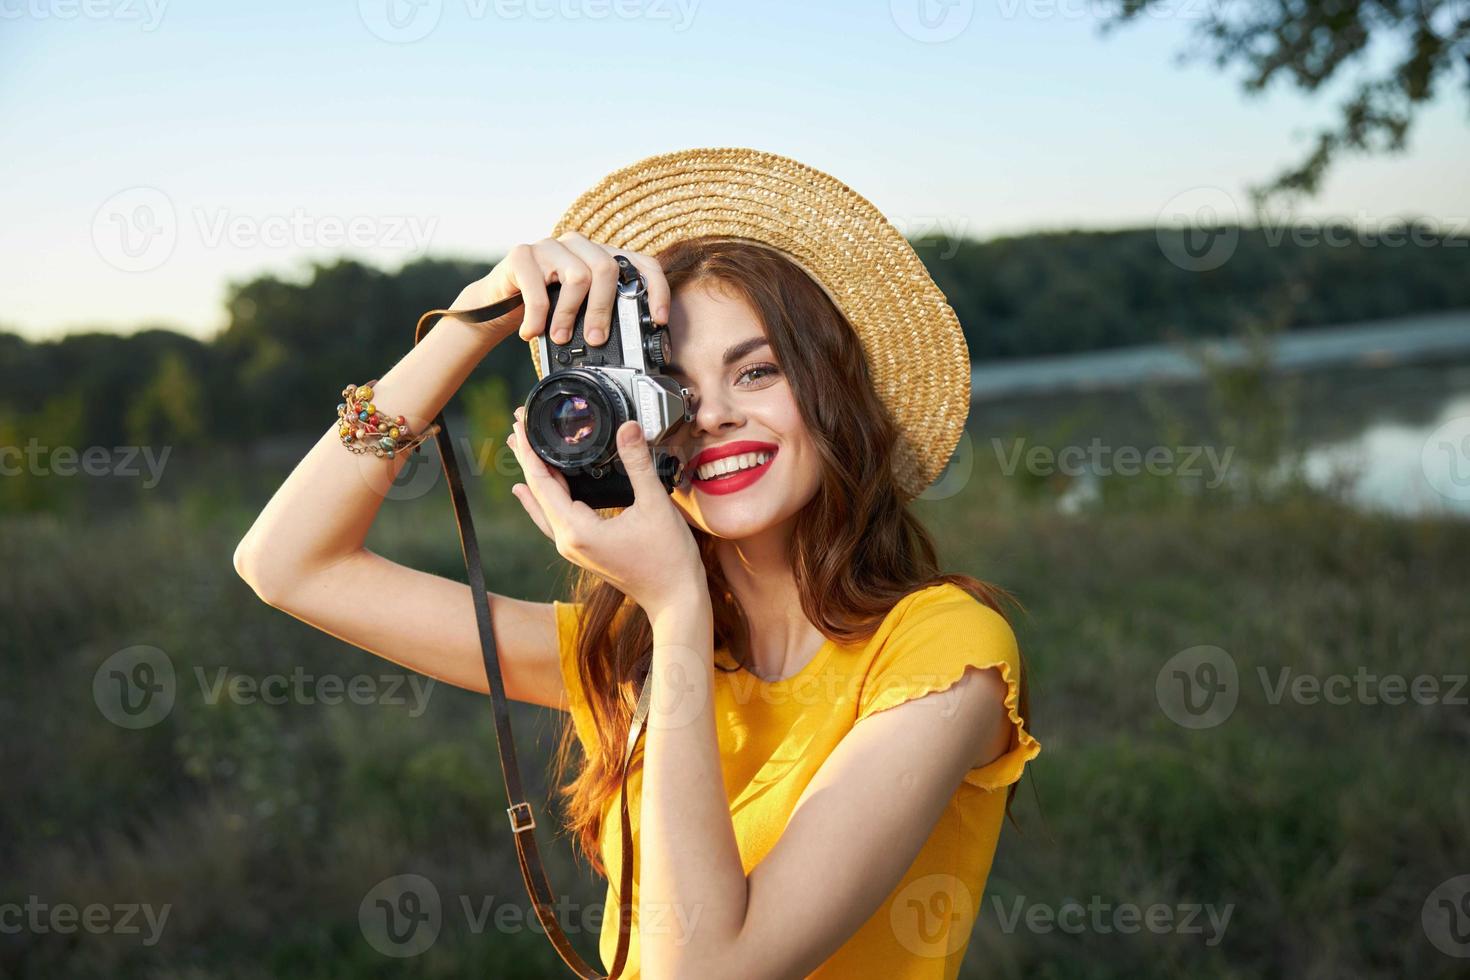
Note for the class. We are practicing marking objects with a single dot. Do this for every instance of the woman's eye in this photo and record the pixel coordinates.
(757, 372)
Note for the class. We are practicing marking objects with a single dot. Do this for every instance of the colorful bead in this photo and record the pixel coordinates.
(363, 429)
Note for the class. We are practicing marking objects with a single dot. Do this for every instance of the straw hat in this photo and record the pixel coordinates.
(915, 349)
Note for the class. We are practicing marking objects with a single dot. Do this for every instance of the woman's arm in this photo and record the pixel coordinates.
(305, 553)
(856, 829)
(321, 514)
(859, 823)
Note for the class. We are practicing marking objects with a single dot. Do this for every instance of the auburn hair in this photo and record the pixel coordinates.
(855, 549)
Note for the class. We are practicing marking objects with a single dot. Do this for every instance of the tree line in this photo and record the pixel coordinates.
(290, 345)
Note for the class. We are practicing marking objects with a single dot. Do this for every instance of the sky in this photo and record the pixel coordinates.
(157, 150)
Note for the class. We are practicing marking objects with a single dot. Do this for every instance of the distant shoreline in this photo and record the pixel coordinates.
(1374, 343)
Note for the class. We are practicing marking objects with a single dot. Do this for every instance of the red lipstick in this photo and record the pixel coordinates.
(731, 482)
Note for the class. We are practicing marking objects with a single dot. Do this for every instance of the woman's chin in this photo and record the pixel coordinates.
(730, 516)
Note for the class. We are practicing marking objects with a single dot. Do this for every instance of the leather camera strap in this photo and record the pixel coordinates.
(522, 820)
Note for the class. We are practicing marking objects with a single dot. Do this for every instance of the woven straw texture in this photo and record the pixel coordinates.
(915, 349)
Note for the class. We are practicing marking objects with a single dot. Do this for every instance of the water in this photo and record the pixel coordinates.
(1383, 417)
(1403, 469)
(1430, 336)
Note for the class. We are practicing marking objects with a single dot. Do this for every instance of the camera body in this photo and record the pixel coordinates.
(586, 393)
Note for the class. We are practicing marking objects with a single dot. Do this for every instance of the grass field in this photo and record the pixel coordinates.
(1296, 837)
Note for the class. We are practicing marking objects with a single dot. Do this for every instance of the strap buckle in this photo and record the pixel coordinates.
(515, 817)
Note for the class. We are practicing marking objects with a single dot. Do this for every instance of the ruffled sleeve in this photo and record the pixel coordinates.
(568, 619)
(943, 631)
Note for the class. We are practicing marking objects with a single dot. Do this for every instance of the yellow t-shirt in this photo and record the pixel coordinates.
(775, 735)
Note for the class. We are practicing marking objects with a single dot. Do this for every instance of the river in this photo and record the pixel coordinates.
(1379, 410)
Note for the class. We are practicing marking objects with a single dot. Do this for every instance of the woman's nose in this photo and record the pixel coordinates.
(713, 414)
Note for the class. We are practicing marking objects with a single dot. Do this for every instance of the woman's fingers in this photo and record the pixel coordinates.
(526, 278)
(587, 271)
(575, 278)
(603, 292)
(518, 443)
(568, 519)
(539, 479)
(528, 500)
(659, 293)
(638, 462)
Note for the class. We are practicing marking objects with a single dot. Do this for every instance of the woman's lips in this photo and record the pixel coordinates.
(737, 481)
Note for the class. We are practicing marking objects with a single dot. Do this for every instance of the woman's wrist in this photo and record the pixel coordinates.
(689, 606)
(482, 336)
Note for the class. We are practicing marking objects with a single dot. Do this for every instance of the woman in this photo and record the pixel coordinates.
(836, 728)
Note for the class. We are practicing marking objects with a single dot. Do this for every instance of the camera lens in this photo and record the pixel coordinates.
(571, 417)
(572, 420)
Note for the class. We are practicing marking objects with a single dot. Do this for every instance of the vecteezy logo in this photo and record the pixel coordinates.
(932, 21)
(400, 21)
(956, 473)
(1198, 229)
(401, 916)
(135, 230)
(1198, 687)
(677, 702)
(931, 916)
(418, 475)
(1446, 917)
(1446, 459)
(134, 688)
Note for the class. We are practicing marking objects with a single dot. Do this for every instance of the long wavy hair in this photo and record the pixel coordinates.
(855, 551)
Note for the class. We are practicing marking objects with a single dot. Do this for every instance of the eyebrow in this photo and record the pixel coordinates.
(733, 353)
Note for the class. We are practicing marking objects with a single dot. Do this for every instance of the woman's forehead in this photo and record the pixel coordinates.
(704, 322)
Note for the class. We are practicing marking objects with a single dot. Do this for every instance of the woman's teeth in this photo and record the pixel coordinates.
(730, 464)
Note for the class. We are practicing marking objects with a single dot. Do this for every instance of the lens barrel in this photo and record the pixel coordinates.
(572, 418)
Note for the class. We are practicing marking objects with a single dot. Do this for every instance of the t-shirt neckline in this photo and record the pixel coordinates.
(813, 665)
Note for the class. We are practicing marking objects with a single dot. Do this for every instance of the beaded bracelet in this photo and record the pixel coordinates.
(364, 429)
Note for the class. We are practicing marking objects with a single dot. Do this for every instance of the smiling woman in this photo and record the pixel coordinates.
(826, 607)
(835, 727)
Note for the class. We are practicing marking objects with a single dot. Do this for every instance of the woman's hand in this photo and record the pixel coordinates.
(647, 551)
(585, 269)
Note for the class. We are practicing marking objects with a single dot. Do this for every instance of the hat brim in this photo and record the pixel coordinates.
(916, 351)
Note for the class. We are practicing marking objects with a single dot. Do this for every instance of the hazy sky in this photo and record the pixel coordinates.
(156, 150)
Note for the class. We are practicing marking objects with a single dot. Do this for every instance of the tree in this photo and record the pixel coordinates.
(1311, 42)
(171, 408)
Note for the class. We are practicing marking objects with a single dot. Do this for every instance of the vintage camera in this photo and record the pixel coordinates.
(586, 393)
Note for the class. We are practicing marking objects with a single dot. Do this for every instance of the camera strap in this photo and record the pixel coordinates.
(522, 820)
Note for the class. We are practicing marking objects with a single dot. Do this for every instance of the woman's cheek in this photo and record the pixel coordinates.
(811, 476)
